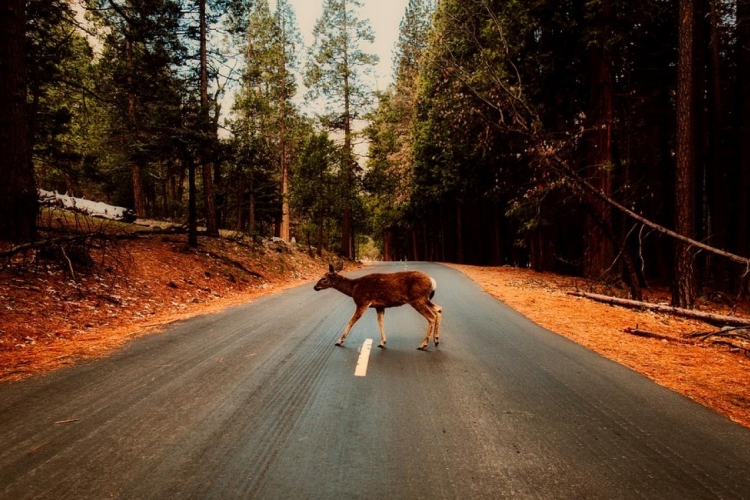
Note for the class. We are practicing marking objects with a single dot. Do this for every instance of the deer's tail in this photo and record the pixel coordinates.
(434, 287)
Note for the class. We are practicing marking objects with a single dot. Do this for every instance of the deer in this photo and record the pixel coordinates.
(381, 291)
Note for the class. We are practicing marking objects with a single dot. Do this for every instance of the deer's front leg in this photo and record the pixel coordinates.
(357, 314)
(381, 315)
(438, 317)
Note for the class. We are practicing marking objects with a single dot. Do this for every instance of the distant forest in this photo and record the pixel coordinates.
(609, 139)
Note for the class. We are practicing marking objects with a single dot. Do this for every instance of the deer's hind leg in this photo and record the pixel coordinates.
(431, 317)
(381, 315)
(438, 318)
(355, 317)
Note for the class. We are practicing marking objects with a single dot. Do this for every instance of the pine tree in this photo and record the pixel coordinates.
(334, 72)
(288, 41)
(314, 194)
(684, 280)
(18, 197)
(388, 178)
(141, 55)
(267, 117)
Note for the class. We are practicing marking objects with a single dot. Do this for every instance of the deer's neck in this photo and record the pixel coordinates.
(344, 285)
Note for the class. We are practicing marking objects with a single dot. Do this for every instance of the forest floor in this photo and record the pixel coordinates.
(51, 317)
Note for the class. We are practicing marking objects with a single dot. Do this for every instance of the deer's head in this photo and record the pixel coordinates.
(329, 278)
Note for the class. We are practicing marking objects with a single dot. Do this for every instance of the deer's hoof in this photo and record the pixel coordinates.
(437, 343)
(339, 344)
(382, 346)
(422, 348)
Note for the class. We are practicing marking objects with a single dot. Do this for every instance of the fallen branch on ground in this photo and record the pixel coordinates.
(727, 337)
(36, 245)
(714, 319)
(736, 332)
(658, 336)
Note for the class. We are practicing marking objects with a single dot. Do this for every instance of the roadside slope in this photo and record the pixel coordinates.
(51, 319)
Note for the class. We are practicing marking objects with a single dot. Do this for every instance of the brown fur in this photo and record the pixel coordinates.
(381, 291)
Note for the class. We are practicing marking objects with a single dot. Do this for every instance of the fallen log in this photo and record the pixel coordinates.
(714, 319)
(88, 207)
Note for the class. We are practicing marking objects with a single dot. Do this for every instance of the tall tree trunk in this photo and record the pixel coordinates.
(348, 159)
(136, 169)
(388, 245)
(240, 199)
(285, 228)
(684, 279)
(414, 246)
(180, 193)
(497, 221)
(192, 202)
(209, 200)
(459, 232)
(743, 63)
(18, 195)
(598, 251)
(716, 177)
(321, 226)
(252, 222)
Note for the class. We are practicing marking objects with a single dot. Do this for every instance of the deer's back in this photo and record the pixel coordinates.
(392, 289)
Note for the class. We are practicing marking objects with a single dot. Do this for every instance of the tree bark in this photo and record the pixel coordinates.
(684, 288)
(743, 63)
(346, 220)
(18, 197)
(598, 250)
(459, 233)
(388, 245)
(252, 222)
(240, 198)
(209, 200)
(207, 170)
(285, 227)
(717, 171)
(136, 170)
(192, 202)
(319, 248)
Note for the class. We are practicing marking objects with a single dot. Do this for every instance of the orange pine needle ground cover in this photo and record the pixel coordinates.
(48, 320)
(710, 375)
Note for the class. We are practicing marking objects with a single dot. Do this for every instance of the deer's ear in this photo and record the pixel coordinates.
(330, 268)
(340, 266)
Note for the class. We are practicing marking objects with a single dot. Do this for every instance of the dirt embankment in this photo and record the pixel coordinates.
(51, 317)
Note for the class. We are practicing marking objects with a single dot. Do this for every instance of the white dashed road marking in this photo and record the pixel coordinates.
(364, 358)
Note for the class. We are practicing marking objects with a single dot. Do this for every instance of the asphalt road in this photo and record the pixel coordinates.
(257, 402)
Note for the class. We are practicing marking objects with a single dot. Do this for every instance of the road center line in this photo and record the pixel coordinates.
(364, 358)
